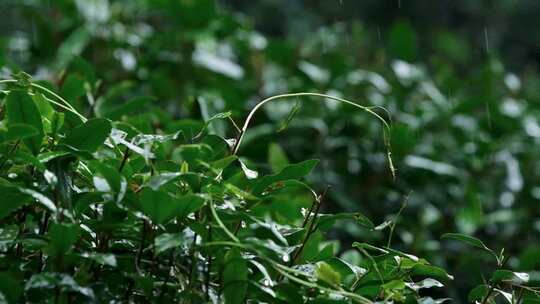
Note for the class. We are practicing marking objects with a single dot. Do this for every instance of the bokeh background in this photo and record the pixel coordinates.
(459, 80)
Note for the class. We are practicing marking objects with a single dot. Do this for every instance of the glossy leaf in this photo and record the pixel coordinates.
(88, 136)
(235, 276)
(62, 238)
(294, 171)
(467, 240)
(162, 207)
(12, 199)
(21, 109)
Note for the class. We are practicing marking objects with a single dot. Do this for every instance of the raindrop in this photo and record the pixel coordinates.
(12, 175)
(243, 224)
(285, 258)
(266, 283)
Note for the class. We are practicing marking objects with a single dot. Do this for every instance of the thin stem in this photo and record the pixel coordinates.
(394, 220)
(65, 102)
(311, 228)
(124, 159)
(220, 223)
(492, 286)
(141, 248)
(208, 265)
(60, 105)
(386, 132)
(44, 89)
(64, 105)
(308, 214)
(193, 260)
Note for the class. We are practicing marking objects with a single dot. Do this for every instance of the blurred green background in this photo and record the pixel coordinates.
(459, 80)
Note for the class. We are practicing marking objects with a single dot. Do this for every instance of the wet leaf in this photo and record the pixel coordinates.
(21, 109)
(88, 136)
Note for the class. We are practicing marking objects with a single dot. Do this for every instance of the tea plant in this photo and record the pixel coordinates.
(504, 283)
(139, 209)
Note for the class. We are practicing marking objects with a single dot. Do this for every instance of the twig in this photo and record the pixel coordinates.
(124, 159)
(311, 227)
(492, 286)
(368, 109)
(209, 264)
(141, 248)
(394, 220)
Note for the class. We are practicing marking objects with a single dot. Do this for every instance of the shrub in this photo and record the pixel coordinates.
(101, 210)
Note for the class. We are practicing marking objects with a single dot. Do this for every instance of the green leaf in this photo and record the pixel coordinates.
(48, 156)
(162, 207)
(345, 268)
(394, 285)
(8, 234)
(431, 271)
(108, 179)
(21, 109)
(18, 131)
(327, 220)
(478, 293)
(250, 174)
(62, 238)
(26, 158)
(294, 171)
(167, 241)
(45, 201)
(425, 283)
(277, 157)
(285, 124)
(12, 199)
(72, 88)
(88, 136)
(221, 164)
(50, 280)
(327, 274)
(518, 278)
(467, 240)
(235, 276)
(107, 259)
(10, 287)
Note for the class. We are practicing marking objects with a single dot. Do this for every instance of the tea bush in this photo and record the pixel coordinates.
(462, 132)
(96, 210)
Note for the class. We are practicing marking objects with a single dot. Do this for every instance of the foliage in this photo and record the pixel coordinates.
(99, 211)
(162, 85)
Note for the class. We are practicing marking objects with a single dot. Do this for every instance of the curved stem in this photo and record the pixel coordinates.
(220, 223)
(386, 131)
(65, 102)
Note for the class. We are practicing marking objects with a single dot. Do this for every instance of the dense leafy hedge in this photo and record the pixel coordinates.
(464, 130)
(98, 211)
